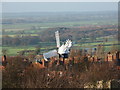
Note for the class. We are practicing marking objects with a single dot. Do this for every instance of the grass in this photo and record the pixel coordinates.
(14, 35)
(95, 43)
(106, 48)
(26, 27)
(47, 46)
(11, 50)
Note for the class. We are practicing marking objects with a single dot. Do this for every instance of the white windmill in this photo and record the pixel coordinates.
(62, 51)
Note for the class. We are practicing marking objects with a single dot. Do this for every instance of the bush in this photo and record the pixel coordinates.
(21, 74)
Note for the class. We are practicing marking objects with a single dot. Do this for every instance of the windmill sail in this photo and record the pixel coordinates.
(50, 54)
(57, 38)
(65, 48)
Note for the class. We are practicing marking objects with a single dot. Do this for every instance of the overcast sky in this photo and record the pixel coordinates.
(58, 6)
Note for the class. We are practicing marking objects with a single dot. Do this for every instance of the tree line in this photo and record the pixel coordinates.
(16, 41)
(79, 34)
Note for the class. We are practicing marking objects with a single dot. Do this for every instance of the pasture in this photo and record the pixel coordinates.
(11, 51)
(20, 24)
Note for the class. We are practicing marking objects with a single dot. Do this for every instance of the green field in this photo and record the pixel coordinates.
(33, 26)
(13, 50)
(49, 46)
(96, 43)
(20, 35)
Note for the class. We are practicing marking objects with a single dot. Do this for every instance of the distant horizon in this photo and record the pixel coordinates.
(23, 7)
(62, 11)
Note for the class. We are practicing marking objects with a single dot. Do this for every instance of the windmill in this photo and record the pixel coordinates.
(62, 51)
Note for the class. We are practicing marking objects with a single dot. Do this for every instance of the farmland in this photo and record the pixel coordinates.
(25, 31)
